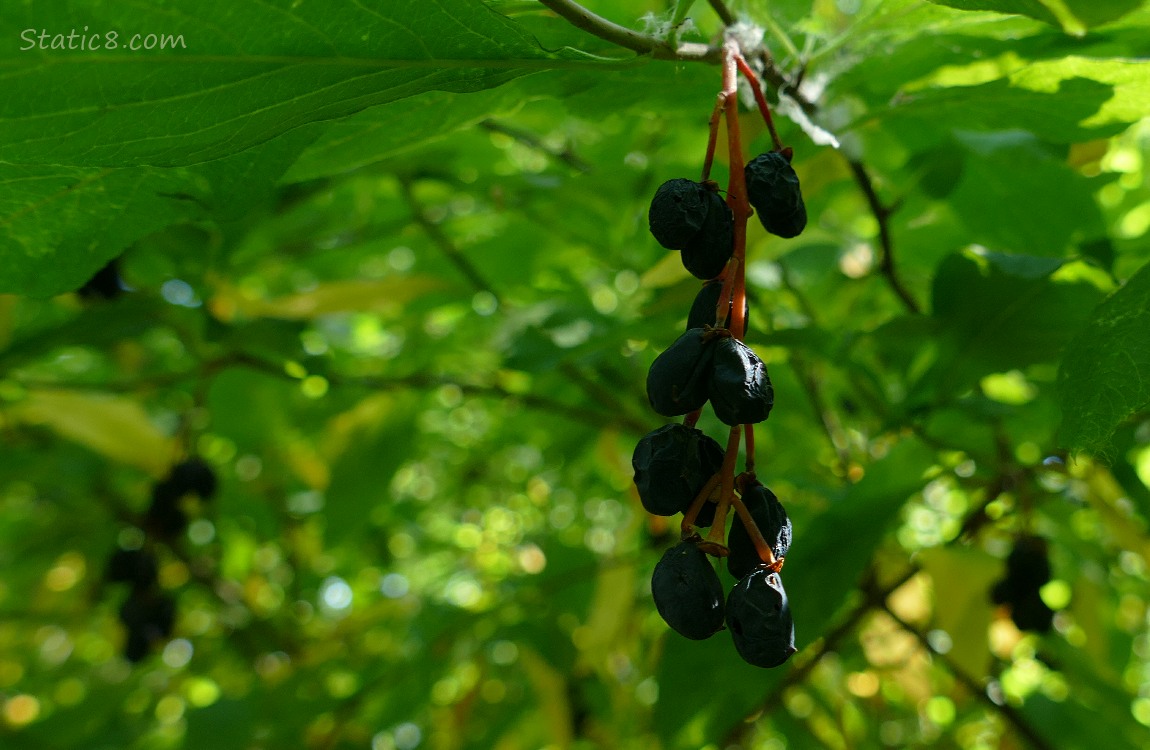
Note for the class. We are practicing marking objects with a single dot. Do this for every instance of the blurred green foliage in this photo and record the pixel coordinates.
(387, 270)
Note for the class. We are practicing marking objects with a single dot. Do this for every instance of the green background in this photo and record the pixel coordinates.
(390, 274)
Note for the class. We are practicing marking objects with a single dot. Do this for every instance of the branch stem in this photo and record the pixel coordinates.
(882, 214)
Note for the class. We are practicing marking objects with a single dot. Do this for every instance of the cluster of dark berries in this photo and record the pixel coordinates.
(148, 613)
(678, 468)
(693, 218)
(1027, 571)
(689, 595)
(166, 518)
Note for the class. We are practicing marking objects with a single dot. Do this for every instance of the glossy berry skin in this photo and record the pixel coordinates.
(678, 211)
(707, 252)
(773, 191)
(687, 592)
(706, 302)
(740, 389)
(759, 618)
(771, 518)
(678, 379)
(671, 466)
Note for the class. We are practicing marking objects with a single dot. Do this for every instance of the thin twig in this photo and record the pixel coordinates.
(529, 139)
(832, 428)
(882, 216)
(1008, 712)
(724, 13)
(581, 18)
(807, 662)
(444, 243)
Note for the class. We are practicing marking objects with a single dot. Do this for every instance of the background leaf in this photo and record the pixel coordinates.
(1105, 375)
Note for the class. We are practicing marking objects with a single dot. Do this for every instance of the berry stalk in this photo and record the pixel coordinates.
(761, 100)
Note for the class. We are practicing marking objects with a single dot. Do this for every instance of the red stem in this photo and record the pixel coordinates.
(759, 99)
(687, 528)
(716, 539)
(712, 137)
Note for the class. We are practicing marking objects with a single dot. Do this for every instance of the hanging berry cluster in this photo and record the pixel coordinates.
(678, 468)
(148, 613)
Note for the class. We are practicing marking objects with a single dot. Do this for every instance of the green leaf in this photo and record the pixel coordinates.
(1068, 99)
(235, 74)
(996, 313)
(369, 443)
(1068, 14)
(381, 132)
(59, 224)
(1031, 8)
(113, 426)
(1105, 375)
(1013, 196)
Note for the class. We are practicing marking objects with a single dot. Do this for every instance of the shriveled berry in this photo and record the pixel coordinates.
(687, 592)
(771, 518)
(671, 466)
(773, 191)
(759, 617)
(678, 380)
(740, 389)
(134, 566)
(707, 252)
(707, 302)
(678, 211)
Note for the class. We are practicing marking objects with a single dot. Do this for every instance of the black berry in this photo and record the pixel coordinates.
(707, 252)
(671, 466)
(773, 191)
(678, 211)
(740, 389)
(678, 380)
(759, 618)
(687, 592)
(134, 566)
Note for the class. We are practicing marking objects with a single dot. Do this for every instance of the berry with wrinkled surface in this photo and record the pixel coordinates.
(678, 211)
(671, 466)
(759, 617)
(707, 252)
(773, 190)
(687, 592)
(740, 389)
